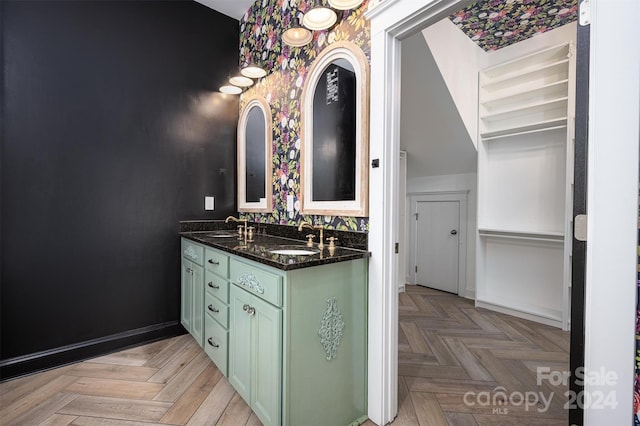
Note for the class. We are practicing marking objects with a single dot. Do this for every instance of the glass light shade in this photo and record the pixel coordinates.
(296, 36)
(253, 71)
(319, 18)
(241, 81)
(231, 90)
(345, 4)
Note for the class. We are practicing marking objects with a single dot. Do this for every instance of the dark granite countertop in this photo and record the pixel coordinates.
(259, 249)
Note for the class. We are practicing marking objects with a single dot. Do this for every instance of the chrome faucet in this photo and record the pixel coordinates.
(308, 225)
(240, 231)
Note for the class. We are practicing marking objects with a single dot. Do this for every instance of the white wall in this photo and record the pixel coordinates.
(431, 129)
(459, 60)
(444, 183)
(612, 191)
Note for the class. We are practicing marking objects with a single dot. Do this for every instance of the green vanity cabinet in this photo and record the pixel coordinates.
(255, 348)
(192, 291)
(216, 307)
(325, 345)
(303, 349)
(292, 342)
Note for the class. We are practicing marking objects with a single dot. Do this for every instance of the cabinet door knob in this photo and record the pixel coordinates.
(251, 310)
(454, 232)
(213, 262)
(212, 343)
(245, 307)
(212, 309)
(210, 284)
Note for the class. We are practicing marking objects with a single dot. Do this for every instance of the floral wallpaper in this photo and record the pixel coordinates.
(261, 41)
(493, 24)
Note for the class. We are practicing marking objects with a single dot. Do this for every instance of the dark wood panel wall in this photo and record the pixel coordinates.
(112, 132)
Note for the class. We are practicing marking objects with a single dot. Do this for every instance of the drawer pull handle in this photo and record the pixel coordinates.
(210, 284)
(212, 309)
(211, 342)
(213, 262)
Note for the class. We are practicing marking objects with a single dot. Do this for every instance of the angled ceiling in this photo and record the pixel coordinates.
(233, 8)
(493, 24)
(431, 129)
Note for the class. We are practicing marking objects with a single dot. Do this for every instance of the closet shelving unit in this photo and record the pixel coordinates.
(525, 188)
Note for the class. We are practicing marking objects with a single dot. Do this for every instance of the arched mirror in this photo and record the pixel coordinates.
(335, 132)
(254, 156)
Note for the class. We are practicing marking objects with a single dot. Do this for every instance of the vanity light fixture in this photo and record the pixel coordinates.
(231, 90)
(253, 70)
(345, 4)
(241, 81)
(319, 17)
(296, 35)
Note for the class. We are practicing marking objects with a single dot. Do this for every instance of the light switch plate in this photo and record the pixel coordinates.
(209, 203)
(290, 203)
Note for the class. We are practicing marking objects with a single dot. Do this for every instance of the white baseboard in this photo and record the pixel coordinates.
(520, 314)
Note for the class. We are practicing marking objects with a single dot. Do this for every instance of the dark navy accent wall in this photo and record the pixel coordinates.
(112, 132)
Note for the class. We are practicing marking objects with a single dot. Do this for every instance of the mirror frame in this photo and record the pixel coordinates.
(266, 205)
(360, 206)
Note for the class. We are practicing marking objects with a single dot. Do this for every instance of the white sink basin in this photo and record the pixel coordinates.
(221, 235)
(294, 252)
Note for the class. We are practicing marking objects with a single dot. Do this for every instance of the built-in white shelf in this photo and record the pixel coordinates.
(527, 109)
(525, 167)
(527, 63)
(550, 236)
(525, 128)
(553, 90)
(514, 133)
(530, 78)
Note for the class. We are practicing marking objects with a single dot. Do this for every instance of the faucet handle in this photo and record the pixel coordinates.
(240, 227)
(310, 240)
(250, 232)
(332, 241)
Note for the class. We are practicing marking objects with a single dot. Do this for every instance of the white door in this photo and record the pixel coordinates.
(438, 230)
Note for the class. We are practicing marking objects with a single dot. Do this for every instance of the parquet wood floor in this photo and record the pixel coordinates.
(461, 365)
(452, 357)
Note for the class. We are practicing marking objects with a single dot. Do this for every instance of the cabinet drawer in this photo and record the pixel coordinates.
(217, 286)
(265, 285)
(216, 343)
(218, 310)
(192, 251)
(217, 262)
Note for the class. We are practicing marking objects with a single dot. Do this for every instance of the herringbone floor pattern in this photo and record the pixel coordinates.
(462, 365)
(458, 365)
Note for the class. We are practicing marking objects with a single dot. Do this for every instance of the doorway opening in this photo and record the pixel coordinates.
(467, 140)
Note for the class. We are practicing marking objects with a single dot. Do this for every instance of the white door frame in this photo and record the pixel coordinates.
(613, 130)
(461, 198)
(391, 21)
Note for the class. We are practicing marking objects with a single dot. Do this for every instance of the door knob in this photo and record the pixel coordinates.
(454, 232)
